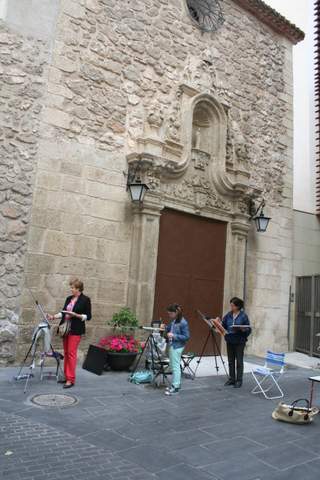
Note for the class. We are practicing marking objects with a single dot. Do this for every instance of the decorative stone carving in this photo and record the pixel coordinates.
(197, 192)
(155, 117)
(240, 146)
(242, 206)
(200, 72)
(200, 159)
(153, 181)
(174, 120)
(208, 168)
(229, 150)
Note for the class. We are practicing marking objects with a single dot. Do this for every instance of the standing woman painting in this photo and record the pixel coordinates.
(77, 311)
(237, 324)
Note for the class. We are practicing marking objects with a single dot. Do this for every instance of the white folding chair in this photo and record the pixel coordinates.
(268, 376)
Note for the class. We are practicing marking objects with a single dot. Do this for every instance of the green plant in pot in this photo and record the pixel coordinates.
(122, 348)
(124, 321)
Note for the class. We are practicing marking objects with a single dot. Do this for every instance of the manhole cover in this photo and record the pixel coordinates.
(54, 400)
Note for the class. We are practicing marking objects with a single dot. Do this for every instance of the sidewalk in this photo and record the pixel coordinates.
(210, 366)
(127, 432)
(302, 360)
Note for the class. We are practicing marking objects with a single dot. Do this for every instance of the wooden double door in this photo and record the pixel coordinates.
(190, 271)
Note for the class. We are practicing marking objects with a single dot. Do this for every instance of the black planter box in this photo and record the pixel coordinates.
(120, 361)
(95, 360)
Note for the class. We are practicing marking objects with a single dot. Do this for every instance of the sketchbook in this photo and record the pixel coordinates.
(241, 326)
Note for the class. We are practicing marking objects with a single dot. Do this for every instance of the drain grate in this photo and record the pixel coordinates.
(54, 400)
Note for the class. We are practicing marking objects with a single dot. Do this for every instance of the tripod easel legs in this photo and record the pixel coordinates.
(215, 348)
(27, 376)
(157, 365)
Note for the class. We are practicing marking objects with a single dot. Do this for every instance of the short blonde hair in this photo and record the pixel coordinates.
(76, 283)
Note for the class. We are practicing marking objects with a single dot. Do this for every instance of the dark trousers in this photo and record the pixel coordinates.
(235, 354)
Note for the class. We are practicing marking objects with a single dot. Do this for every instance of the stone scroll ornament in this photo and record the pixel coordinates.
(207, 14)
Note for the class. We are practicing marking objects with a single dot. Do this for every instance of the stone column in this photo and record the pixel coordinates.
(143, 259)
(239, 232)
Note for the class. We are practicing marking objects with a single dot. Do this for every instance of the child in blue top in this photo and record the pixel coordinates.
(177, 333)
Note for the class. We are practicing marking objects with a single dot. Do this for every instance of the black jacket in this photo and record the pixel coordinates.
(83, 307)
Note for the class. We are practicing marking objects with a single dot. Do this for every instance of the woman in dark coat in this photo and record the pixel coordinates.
(237, 324)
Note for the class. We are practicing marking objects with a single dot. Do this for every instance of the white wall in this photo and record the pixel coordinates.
(36, 18)
(300, 12)
(306, 244)
(3, 9)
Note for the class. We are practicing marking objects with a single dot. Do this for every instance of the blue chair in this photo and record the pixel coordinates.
(267, 377)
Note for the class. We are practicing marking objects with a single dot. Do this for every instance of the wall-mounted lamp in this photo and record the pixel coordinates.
(136, 188)
(258, 216)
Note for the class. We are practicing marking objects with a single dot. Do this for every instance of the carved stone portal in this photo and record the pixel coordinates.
(192, 171)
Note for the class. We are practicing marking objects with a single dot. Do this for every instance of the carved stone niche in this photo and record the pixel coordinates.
(202, 128)
(208, 131)
(202, 146)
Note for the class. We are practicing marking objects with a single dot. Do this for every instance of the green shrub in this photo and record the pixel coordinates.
(124, 320)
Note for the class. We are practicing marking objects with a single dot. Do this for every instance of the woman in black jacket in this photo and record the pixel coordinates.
(76, 310)
(237, 324)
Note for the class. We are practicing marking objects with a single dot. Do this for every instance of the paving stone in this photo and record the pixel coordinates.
(300, 472)
(144, 432)
(224, 430)
(240, 466)
(184, 472)
(286, 455)
(151, 458)
(272, 435)
(179, 440)
(311, 442)
(193, 430)
(109, 440)
(197, 456)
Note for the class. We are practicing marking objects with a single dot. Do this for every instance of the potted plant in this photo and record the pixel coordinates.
(122, 348)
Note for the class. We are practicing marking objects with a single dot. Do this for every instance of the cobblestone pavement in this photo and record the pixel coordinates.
(122, 431)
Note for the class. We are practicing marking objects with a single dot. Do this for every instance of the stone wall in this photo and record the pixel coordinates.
(22, 66)
(115, 74)
(25, 33)
(269, 268)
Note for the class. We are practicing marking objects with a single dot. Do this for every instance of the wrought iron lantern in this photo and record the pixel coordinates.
(137, 190)
(260, 220)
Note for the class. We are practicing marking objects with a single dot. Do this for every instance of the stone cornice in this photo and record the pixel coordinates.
(273, 19)
(148, 162)
(151, 206)
(240, 227)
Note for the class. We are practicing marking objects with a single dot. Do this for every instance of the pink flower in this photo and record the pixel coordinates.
(120, 343)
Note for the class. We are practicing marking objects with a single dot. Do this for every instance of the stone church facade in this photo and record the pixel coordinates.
(92, 90)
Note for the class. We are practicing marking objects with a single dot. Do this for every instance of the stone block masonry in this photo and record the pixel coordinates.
(22, 69)
(113, 75)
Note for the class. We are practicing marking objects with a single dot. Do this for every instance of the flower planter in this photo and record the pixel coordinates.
(120, 361)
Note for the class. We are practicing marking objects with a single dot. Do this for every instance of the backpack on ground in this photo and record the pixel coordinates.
(142, 376)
